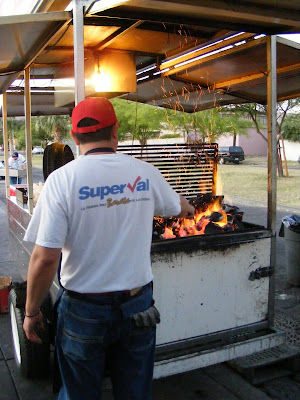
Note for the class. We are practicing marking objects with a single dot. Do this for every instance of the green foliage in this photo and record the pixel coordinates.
(291, 128)
(207, 125)
(170, 135)
(43, 129)
(51, 128)
(236, 124)
(137, 121)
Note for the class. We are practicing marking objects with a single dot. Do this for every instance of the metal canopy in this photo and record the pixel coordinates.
(260, 16)
(217, 68)
(236, 75)
(22, 39)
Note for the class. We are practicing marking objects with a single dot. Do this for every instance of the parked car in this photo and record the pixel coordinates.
(233, 154)
(38, 150)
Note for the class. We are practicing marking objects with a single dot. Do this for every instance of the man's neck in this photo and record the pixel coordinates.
(98, 145)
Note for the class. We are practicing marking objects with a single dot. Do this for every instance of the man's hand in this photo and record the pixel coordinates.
(187, 210)
(41, 272)
(29, 325)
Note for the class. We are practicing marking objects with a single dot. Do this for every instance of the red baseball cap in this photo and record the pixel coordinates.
(98, 108)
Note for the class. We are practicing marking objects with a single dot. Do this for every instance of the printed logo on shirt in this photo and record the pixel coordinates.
(102, 191)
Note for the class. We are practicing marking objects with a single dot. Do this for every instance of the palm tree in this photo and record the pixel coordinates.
(53, 127)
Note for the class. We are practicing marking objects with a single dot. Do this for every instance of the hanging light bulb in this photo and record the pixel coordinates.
(97, 81)
(97, 78)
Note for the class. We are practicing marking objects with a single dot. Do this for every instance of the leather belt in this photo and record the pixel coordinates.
(131, 292)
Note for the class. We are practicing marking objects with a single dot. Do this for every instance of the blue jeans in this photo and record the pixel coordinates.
(13, 180)
(93, 337)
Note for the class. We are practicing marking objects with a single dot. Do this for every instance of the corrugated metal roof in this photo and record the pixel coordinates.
(164, 34)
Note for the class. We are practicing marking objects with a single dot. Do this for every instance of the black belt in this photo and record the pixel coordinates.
(82, 296)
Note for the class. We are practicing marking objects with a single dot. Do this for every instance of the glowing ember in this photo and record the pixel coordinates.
(210, 217)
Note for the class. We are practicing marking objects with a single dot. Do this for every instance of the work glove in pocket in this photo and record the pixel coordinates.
(147, 319)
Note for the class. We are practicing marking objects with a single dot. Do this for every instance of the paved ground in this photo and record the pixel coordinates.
(218, 382)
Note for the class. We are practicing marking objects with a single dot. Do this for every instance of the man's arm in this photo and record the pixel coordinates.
(43, 265)
(187, 210)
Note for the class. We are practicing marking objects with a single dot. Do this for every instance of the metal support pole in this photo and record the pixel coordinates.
(27, 106)
(272, 160)
(78, 37)
(5, 142)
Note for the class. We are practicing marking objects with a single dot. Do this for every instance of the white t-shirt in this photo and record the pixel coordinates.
(99, 209)
(16, 164)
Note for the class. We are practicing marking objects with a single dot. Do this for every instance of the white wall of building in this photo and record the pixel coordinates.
(292, 150)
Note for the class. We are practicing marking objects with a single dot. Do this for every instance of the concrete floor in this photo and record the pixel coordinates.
(218, 382)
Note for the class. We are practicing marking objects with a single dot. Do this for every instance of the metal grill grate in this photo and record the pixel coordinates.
(290, 325)
(190, 169)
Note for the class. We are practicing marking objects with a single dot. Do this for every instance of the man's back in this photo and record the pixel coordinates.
(103, 207)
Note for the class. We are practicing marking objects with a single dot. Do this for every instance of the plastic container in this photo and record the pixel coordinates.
(292, 250)
(290, 230)
(5, 285)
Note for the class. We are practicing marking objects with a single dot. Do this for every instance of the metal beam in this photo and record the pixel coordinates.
(177, 68)
(272, 162)
(196, 52)
(78, 35)
(27, 106)
(32, 18)
(5, 142)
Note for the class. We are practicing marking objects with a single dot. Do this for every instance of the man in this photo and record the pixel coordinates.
(16, 161)
(98, 210)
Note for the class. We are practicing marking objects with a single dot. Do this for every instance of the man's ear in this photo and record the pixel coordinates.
(114, 132)
(74, 138)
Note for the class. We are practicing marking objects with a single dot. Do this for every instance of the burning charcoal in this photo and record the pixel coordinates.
(239, 225)
(202, 201)
(239, 216)
(212, 228)
(168, 234)
(182, 233)
(201, 224)
(231, 209)
(216, 217)
(228, 228)
(229, 219)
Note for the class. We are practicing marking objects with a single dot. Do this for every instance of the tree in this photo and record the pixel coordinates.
(52, 128)
(237, 125)
(291, 128)
(256, 111)
(14, 127)
(138, 121)
(208, 125)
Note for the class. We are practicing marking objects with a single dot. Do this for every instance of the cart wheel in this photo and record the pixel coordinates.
(32, 359)
(55, 156)
(222, 161)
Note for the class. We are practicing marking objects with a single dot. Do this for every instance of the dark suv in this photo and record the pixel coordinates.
(233, 154)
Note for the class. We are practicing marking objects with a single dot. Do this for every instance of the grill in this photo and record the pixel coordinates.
(210, 286)
(190, 169)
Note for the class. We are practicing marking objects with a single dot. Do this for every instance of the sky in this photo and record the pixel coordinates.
(292, 36)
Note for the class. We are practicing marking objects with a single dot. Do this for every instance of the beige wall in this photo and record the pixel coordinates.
(253, 144)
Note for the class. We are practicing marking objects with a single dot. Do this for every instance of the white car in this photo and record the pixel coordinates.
(37, 150)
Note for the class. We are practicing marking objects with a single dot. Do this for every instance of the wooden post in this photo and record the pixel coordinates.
(5, 142)
(78, 38)
(272, 158)
(284, 158)
(27, 106)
